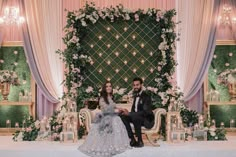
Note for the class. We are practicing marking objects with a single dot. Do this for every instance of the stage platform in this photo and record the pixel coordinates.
(9, 148)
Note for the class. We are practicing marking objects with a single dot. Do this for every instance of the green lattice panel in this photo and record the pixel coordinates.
(14, 113)
(105, 39)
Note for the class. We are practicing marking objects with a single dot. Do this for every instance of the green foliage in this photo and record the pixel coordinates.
(29, 133)
(81, 131)
(189, 117)
(220, 135)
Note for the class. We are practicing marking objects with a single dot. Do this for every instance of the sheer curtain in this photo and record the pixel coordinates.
(42, 37)
(197, 43)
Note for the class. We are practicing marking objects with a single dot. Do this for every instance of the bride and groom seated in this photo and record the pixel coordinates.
(111, 133)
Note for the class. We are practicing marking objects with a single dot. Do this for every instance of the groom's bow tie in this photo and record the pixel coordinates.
(137, 95)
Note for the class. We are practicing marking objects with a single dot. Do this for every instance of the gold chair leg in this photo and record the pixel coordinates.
(152, 140)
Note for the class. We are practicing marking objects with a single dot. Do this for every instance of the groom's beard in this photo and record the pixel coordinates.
(137, 90)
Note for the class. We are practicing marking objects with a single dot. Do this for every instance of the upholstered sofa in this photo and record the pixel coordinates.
(88, 116)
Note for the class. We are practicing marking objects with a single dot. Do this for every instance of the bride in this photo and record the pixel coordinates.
(108, 135)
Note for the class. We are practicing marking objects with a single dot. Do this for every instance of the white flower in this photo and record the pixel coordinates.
(212, 129)
(63, 111)
(136, 17)
(227, 64)
(37, 124)
(95, 15)
(163, 46)
(121, 91)
(159, 68)
(127, 17)
(1, 61)
(83, 23)
(89, 89)
(75, 56)
(15, 52)
(230, 54)
(81, 16)
(215, 56)
(212, 133)
(20, 137)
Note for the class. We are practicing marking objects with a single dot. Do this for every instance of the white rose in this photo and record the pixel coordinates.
(122, 91)
(37, 124)
(89, 89)
(212, 133)
(75, 56)
(136, 16)
(127, 17)
(212, 129)
(83, 23)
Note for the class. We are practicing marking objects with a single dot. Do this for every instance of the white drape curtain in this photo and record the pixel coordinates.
(195, 48)
(44, 19)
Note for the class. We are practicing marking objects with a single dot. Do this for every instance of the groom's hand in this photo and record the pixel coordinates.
(125, 112)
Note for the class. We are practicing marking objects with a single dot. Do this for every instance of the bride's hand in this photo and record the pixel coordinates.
(125, 112)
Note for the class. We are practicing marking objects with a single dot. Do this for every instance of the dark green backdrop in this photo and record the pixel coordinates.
(105, 40)
(14, 113)
(221, 57)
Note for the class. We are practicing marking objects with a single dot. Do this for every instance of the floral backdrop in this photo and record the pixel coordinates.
(78, 60)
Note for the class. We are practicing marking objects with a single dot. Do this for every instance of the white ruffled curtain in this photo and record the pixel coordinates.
(197, 42)
(44, 27)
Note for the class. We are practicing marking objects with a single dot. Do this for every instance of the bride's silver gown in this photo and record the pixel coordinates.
(108, 135)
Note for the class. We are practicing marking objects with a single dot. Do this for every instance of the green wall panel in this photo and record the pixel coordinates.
(223, 113)
(14, 113)
(221, 57)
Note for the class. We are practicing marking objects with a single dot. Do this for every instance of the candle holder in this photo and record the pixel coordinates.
(8, 123)
(17, 125)
(213, 122)
(232, 123)
(222, 125)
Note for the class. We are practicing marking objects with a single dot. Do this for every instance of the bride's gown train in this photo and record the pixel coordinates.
(108, 135)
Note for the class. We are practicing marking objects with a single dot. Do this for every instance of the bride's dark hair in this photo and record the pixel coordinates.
(104, 93)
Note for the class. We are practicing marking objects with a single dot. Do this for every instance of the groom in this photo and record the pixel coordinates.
(141, 113)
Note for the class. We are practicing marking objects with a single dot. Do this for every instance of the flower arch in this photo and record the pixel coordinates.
(77, 60)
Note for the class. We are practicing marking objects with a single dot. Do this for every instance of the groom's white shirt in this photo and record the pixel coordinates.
(136, 101)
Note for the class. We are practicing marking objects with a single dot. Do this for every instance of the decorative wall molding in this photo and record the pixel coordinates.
(12, 43)
(225, 42)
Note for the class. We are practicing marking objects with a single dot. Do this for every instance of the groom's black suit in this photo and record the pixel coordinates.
(143, 116)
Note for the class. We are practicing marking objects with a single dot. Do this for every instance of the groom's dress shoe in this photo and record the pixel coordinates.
(133, 143)
(139, 144)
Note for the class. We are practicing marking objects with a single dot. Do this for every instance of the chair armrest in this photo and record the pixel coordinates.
(157, 121)
(87, 115)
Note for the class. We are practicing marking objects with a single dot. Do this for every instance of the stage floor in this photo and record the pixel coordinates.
(9, 148)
